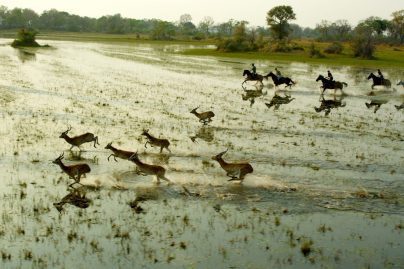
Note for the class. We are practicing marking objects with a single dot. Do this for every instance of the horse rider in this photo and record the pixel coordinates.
(253, 70)
(380, 76)
(329, 76)
(278, 73)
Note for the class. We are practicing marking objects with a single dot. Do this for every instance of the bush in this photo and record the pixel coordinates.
(315, 52)
(363, 48)
(334, 48)
(231, 45)
(25, 38)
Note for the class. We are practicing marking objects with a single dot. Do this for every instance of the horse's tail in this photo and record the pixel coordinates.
(345, 84)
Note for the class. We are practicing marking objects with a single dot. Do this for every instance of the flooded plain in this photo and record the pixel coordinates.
(326, 192)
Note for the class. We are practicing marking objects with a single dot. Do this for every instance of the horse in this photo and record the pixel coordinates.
(281, 80)
(401, 83)
(378, 81)
(327, 84)
(253, 77)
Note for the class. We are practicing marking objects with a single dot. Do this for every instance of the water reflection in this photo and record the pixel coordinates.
(328, 104)
(376, 103)
(279, 100)
(205, 133)
(76, 197)
(25, 55)
(250, 95)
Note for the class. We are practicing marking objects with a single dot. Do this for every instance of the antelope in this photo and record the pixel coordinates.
(204, 117)
(149, 169)
(74, 171)
(118, 153)
(153, 141)
(80, 139)
(232, 169)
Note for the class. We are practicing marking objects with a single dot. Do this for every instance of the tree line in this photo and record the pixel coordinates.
(231, 35)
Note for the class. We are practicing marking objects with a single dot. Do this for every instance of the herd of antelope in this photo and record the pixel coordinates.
(236, 171)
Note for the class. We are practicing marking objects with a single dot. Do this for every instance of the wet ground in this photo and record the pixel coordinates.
(326, 192)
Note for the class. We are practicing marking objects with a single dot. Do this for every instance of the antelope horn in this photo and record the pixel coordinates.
(222, 153)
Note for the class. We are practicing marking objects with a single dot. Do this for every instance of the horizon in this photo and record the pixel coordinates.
(159, 9)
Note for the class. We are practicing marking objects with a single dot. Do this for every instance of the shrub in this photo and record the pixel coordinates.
(334, 48)
(25, 38)
(315, 52)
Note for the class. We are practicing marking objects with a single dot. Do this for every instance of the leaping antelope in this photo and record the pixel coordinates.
(80, 139)
(153, 141)
(123, 154)
(204, 117)
(74, 171)
(232, 169)
(149, 169)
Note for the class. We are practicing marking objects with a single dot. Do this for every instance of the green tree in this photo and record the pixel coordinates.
(278, 19)
(396, 26)
(205, 25)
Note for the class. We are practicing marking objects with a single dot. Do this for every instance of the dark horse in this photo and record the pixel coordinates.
(378, 81)
(327, 84)
(253, 77)
(281, 80)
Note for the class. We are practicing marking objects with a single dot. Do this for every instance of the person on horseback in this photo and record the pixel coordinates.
(278, 73)
(329, 76)
(253, 70)
(380, 76)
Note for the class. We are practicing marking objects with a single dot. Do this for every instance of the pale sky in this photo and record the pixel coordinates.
(308, 12)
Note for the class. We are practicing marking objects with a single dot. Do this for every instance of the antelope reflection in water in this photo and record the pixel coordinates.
(76, 197)
(207, 134)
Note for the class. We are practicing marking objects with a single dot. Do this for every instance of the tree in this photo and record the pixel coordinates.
(163, 30)
(278, 19)
(396, 26)
(185, 18)
(363, 44)
(205, 25)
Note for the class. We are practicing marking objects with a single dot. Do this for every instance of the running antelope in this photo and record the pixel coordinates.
(204, 117)
(153, 141)
(232, 169)
(74, 171)
(125, 155)
(80, 139)
(145, 169)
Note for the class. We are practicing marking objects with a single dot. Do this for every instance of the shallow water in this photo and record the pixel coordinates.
(343, 171)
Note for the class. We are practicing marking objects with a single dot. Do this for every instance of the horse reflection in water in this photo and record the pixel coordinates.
(376, 104)
(205, 133)
(250, 95)
(76, 197)
(278, 100)
(328, 104)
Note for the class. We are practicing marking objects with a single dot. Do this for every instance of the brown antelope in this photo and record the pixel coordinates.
(204, 117)
(153, 141)
(80, 139)
(118, 153)
(232, 169)
(74, 171)
(149, 169)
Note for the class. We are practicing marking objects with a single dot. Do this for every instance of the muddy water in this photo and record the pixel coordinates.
(331, 180)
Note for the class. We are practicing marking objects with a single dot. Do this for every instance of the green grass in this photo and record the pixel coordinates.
(104, 38)
(385, 56)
